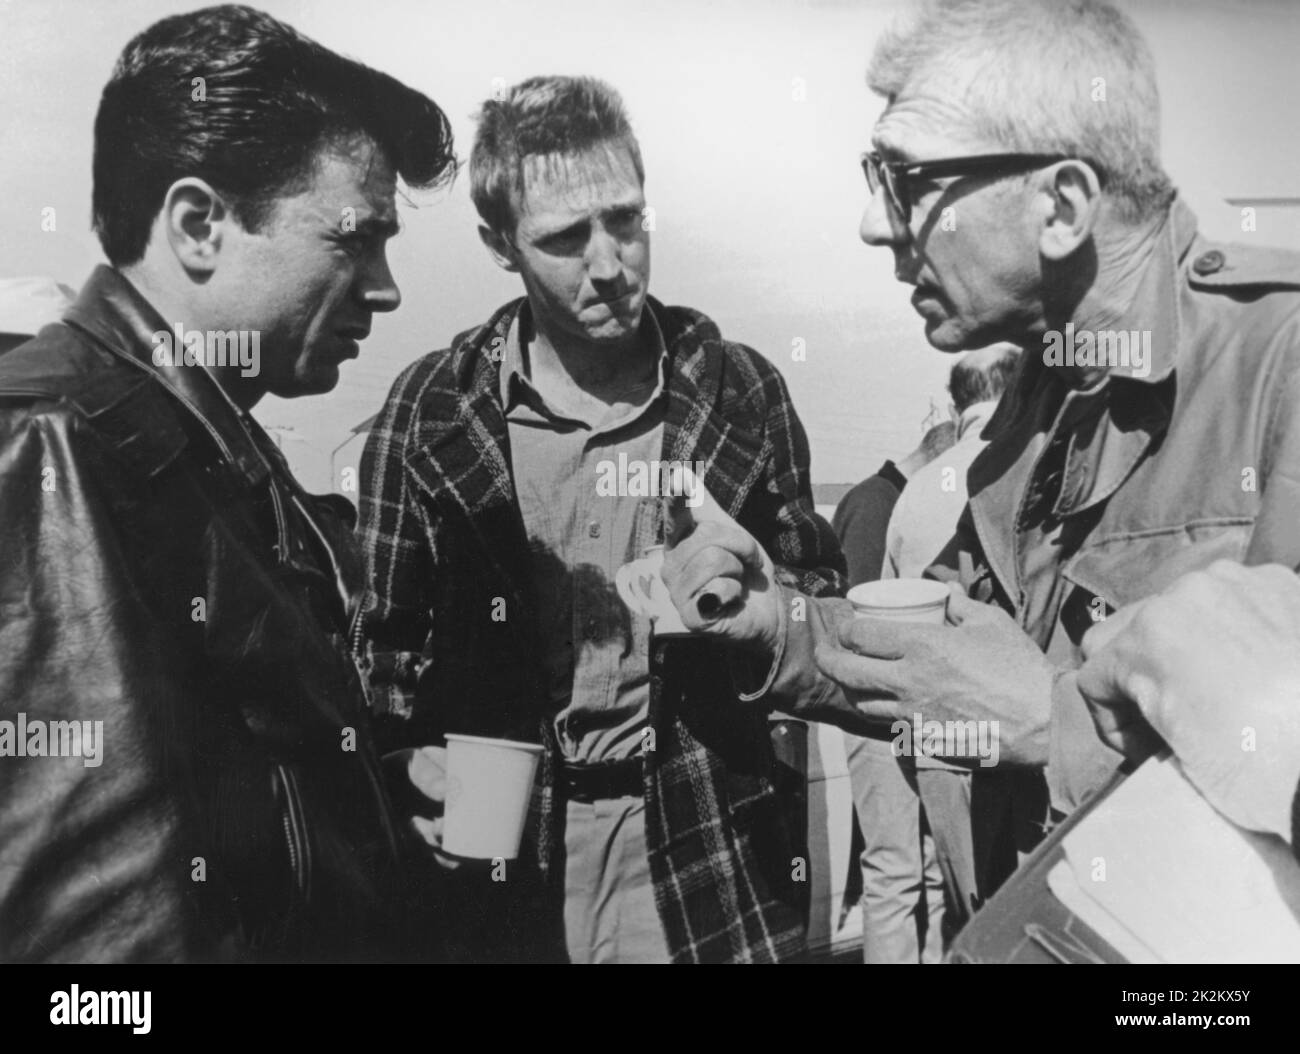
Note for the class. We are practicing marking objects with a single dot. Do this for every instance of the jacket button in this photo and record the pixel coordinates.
(1208, 263)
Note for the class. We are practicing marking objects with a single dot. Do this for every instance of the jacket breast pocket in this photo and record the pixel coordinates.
(1124, 568)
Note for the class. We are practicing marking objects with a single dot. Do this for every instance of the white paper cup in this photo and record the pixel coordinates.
(901, 599)
(489, 784)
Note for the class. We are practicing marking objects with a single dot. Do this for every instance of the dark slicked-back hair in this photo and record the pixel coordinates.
(269, 99)
(548, 117)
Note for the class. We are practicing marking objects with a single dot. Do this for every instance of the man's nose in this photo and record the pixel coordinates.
(880, 225)
(603, 262)
(379, 289)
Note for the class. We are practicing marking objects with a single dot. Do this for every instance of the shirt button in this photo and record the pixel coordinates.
(592, 629)
(1208, 263)
(593, 529)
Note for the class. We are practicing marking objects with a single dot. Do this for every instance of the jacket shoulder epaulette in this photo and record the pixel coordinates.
(1228, 265)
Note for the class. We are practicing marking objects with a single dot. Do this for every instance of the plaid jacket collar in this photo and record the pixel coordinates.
(467, 436)
(465, 439)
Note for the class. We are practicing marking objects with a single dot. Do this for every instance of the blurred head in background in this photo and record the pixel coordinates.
(982, 376)
(28, 304)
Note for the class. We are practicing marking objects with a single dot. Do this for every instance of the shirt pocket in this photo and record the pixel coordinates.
(1124, 568)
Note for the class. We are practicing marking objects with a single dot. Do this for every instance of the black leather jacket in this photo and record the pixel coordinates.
(162, 572)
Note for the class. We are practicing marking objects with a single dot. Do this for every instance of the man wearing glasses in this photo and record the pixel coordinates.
(1154, 429)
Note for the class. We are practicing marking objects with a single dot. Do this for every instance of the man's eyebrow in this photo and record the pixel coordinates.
(561, 228)
(887, 148)
(626, 205)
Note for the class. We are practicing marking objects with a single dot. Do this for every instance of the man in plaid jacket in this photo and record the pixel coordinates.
(505, 482)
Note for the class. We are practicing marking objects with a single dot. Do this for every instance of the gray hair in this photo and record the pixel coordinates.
(1071, 77)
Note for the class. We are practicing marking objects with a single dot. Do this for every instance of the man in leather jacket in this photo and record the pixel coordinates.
(185, 768)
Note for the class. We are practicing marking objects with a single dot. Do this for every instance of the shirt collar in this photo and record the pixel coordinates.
(1154, 309)
(516, 381)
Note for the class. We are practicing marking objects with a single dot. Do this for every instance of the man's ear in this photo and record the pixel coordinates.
(499, 246)
(194, 219)
(1071, 196)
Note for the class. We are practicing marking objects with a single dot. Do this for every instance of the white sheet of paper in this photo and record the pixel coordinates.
(1066, 888)
(1158, 861)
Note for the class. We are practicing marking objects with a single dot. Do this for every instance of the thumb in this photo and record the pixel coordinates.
(689, 504)
(1116, 709)
(962, 608)
(1108, 629)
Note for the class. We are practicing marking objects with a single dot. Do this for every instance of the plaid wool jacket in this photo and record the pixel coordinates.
(454, 634)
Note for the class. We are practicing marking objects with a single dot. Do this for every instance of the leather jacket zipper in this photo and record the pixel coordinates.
(294, 823)
(356, 649)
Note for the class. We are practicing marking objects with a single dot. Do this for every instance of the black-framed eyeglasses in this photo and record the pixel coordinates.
(894, 175)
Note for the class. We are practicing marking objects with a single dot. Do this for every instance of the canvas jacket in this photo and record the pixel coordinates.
(1149, 476)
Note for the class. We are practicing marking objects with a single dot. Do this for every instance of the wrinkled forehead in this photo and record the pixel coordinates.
(925, 120)
(600, 178)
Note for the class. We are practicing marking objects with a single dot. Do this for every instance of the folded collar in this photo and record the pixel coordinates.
(516, 369)
(111, 311)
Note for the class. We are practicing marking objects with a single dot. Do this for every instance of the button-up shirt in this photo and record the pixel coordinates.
(597, 650)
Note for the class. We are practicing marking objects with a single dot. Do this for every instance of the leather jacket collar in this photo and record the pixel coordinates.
(112, 312)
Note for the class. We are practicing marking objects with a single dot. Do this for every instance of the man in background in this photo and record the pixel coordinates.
(27, 305)
(925, 516)
(924, 520)
(862, 516)
(900, 919)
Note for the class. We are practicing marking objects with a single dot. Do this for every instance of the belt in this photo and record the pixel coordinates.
(606, 779)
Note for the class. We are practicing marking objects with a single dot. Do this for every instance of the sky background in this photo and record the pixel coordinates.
(751, 116)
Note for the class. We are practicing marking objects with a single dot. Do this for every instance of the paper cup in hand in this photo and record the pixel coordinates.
(489, 784)
(642, 589)
(901, 599)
